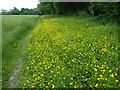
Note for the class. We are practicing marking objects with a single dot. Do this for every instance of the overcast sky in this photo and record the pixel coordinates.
(9, 4)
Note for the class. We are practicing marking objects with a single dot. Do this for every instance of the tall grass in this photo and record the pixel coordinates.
(0, 51)
(14, 28)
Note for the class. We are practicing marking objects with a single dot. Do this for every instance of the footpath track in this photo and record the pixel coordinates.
(15, 77)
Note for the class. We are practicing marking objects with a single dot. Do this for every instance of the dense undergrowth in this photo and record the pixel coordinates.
(72, 52)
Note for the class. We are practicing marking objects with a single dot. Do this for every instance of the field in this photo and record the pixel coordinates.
(62, 52)
(14, 29)
(0, 52)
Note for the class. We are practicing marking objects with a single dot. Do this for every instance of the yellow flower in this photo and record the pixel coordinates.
(101, 75)
(116, 80)
(115, 74)
(104, 49)
(112, 75)
(62, 68)
(75, 86)
(110, 70)
(42, 74)
(98, 78)
(96, 85)
(34, 75)
(91, 86)
(71, 83)
(46, 86)
(105, 78)
(116, 68)
(104, 62)
(53, 86)
(103, 70)
(95, 69)
(71, 78)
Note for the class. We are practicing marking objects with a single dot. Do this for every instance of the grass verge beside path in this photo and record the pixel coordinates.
(20, 58)
(14, 29)
(0, 51)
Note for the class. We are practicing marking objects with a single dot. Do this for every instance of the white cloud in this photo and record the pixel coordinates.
(9, 4)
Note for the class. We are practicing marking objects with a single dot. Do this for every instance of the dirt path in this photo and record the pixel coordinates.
(15, 77)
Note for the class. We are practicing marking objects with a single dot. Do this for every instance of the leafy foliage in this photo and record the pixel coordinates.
(14, 11)
(26, 11)
(109, 10)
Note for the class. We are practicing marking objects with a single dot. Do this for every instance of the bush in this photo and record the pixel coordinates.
(81, 13)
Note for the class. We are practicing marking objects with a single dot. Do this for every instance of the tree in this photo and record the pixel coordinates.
(46, 8)
(61, 7)
(14, 11)
(4, 12)
(109, 9)
(35, 11)
(25, 11)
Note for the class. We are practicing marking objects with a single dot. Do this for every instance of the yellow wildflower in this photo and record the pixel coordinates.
(53, 86)
(116, 80)
(71, 83)
(112, 75)
(96, 85)
(101, 75)
(71, 78)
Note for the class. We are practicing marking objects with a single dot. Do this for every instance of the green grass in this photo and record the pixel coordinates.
(14, 28)
(62, 52)
(72, 52)
(0, 51)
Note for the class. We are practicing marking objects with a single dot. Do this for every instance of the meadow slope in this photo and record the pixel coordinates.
(72, 52)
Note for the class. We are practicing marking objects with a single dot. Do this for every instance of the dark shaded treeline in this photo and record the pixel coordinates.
(108, 9)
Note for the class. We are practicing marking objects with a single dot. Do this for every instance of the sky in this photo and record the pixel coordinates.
(9, 4)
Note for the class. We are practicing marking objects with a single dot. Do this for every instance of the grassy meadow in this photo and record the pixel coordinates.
(14, 28)
(0, 52)
(62, 52)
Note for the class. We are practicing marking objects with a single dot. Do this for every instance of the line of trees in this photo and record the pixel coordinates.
(100, 9)
(23, 11)
(109, 9)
